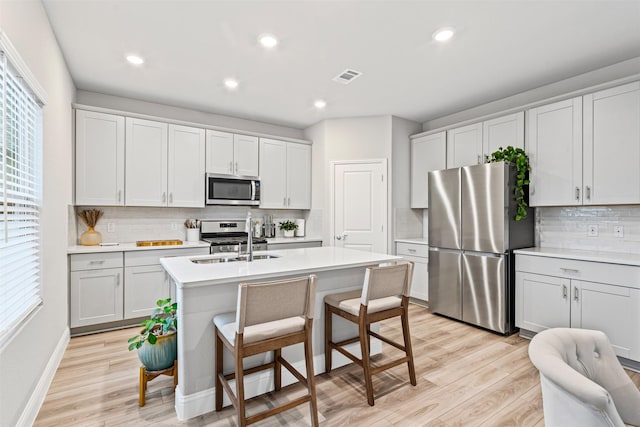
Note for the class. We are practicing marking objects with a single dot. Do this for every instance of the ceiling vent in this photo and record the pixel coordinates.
(347, 76)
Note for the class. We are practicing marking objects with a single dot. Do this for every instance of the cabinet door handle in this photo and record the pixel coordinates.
(588, 193)
(288, 201)
(118, 279)
(564, 291)
(164, 197)
(577, 193)
(236, 168)
(119, 195)
(284, 202)
(230, 167)
(576, 294)
(171, 197)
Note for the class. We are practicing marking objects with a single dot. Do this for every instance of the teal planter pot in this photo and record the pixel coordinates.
(161, 355)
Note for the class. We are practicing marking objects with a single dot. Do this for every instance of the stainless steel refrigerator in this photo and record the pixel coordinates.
(472, 232)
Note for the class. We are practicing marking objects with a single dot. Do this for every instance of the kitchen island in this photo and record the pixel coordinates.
(206, 289)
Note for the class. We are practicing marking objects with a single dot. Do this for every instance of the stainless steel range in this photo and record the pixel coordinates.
(228, 236)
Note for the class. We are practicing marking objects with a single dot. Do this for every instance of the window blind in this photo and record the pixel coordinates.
(20, 199)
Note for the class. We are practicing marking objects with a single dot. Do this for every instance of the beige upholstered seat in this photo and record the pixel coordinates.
(385, 294)
(269, 316)
(583, 383)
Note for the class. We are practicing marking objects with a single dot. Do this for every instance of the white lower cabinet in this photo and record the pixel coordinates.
(146, 281)
(96, 291)
(553, 292)
(113, 286)
(419, 254)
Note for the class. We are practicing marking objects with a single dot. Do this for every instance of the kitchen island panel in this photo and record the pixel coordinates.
(199, 304)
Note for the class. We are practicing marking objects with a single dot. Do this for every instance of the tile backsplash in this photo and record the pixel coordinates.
(142, 223)
(567, 228)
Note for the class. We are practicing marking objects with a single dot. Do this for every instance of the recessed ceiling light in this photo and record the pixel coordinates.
(135, 59)
(319, 104)
(443, 34)
(268, 40)
(231, 83)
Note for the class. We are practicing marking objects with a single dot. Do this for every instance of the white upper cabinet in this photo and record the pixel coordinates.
(611, 144)
(503, 132)
(285, 175)
(428, 153)
(99, 159)
(219, 152)
(165, 164)
(231, 154)
(298, 176)
(555, 154)
(186, 167)
(464, 146)
(273, 173)
(245, 153)
(146, 170)
(469, 145)
(586, 150)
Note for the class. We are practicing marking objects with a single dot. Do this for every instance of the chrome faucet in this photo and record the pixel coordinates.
(249, 229)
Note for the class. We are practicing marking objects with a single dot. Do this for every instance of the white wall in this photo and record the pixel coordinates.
(24, 359)
(177, 113)
(343, 139)
(406, 222)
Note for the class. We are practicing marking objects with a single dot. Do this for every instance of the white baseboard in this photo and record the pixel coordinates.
(32, 408)
(196, 404)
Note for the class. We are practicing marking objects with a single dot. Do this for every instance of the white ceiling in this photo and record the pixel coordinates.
(501, 48)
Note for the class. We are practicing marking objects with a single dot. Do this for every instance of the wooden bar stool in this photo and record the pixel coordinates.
(269, 316)
(385, 295)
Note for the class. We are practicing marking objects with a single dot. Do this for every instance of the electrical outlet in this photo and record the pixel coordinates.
(111, 227)
(592, 230)
(618, 231)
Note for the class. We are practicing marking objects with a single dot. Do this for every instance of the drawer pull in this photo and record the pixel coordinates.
(411, 250)
(101, 261)
(570, 270)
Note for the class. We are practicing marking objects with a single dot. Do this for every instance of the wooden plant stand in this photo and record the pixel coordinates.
(146, 376)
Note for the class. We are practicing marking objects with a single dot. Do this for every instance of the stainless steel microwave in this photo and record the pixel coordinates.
(232, 190)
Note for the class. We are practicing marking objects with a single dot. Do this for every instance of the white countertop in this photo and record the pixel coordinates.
(290, 261)
(278, 240)
(582, 255)
(416, 240)
(131, 246)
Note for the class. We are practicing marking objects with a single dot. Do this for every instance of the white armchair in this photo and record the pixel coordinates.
(583, 383)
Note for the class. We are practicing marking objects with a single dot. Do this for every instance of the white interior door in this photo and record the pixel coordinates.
(360, 205)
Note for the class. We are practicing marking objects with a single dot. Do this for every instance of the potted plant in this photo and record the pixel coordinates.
(288, 227)
(519, 158)
(157, 342)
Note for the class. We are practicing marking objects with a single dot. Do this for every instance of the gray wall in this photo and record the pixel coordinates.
(177, 113)
(23, 360)
(603, 75)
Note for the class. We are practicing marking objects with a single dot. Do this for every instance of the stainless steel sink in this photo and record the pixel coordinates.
(256, 257)
(234, 259)
(214, 260)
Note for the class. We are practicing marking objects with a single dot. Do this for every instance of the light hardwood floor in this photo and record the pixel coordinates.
(466, 377)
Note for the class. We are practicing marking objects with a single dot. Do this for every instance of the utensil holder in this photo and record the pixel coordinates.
(193, 235)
